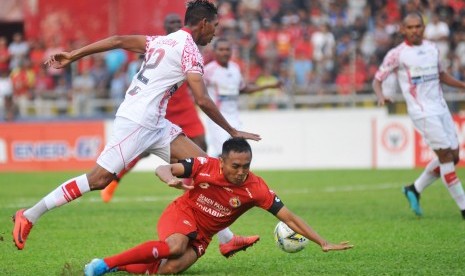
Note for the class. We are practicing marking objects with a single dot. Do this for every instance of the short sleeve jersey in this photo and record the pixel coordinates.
(215, 202)
(224, 85)
(417, 69)
(167, 61)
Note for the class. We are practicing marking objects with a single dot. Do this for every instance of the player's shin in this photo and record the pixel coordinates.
(428, 176)
(145, 253)
(453, 184)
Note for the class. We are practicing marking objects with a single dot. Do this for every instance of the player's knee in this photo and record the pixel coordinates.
(176, 250)
(99, 181)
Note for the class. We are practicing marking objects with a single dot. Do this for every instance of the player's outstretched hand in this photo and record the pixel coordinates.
(59, 60)
(178, 184)
(247, 135)
(340, 246)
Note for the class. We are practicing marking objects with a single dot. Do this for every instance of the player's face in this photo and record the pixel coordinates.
(208, 31)
(223, 52)
(172, 23)
(413, 29)
(235, 166)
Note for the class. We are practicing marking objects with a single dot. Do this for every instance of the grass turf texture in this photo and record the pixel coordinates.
(365, 207)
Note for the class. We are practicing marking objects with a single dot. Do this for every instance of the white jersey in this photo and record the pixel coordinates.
(224, 85)
(417, 69)
(167, 60)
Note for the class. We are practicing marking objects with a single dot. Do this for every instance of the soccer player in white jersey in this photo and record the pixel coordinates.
(418, 68)
(140, 124)
(224, 83)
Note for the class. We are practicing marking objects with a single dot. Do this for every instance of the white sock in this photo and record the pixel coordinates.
(428, 176)
(453, 184)
(66, 192)
(225, 235)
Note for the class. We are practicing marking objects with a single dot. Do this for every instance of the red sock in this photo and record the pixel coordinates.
(145, 269)
(145, 253)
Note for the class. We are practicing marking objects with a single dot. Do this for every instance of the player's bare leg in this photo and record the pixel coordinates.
(68, 191)
(107, 193)
(448, 158)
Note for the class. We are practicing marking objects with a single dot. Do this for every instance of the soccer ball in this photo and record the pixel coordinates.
(288, 240)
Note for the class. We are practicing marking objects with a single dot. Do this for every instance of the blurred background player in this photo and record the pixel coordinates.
(140, 125)
(418, 68)
(206, 206)
(224, 82)
(181, 111)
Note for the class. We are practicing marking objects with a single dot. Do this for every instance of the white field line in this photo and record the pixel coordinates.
(24, 202)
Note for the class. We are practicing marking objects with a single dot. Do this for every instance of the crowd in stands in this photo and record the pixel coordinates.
(313, 47)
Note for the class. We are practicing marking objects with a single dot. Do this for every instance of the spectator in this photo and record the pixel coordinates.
(101, 76)
(303, 63)
(4, 54)
(271, 97)
(37, 55)
(115, 60)
(62, 96)
(6, 91)
(43, 93)
(323, 48)
(118, 87)
(23, 79)
(54, 48)
(18, 50)
(83, 92)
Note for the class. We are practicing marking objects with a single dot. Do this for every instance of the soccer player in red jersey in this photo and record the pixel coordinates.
(224, 189)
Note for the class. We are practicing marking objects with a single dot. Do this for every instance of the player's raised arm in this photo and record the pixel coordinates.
(300, 226)
(134, 43)
(203, 100)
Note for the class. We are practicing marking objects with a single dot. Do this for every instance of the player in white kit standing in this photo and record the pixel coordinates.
(224, 82)
(418, 69)
(140, 124)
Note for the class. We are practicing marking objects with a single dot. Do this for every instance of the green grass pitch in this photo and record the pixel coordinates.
(365, 207)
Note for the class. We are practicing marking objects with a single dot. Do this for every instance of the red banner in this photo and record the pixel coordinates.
(50, 146)
(90, 20)
(423, 154)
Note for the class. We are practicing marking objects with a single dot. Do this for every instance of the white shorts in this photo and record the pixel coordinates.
(438, 131)
(130, 139)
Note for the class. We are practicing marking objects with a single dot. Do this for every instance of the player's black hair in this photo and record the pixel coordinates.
(218, 40)
(414, 13)
(237, 145)
(197, 10)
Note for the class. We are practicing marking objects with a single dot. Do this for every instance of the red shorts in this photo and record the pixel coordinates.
(178, 218)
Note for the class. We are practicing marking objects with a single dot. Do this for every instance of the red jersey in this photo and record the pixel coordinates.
(182, 112)
(215, 202)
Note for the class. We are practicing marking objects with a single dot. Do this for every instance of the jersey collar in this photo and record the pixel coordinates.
(188, 30)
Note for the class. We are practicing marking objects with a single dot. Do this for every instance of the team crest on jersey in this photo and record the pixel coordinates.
(234, 202)
(202, 160)
(204, 185)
